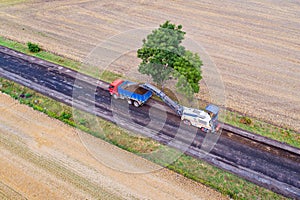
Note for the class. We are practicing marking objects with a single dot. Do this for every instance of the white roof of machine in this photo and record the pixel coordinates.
(196, 113)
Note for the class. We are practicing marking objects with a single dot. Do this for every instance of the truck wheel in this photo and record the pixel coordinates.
(179, 113)
(187, 122)
(115, 96)
(205, 130)
(136, 104)
(129, 101)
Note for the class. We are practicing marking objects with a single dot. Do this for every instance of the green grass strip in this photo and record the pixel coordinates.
(253, 125)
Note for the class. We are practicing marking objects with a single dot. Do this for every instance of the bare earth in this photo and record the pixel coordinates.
(42, 158)
(254, 44)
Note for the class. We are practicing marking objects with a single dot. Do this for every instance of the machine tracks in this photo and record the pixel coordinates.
(268, 163)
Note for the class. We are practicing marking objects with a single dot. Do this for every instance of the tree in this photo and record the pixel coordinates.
(163, 56)
(160, 51)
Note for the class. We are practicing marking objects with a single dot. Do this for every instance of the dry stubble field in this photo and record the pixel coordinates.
(254, 44)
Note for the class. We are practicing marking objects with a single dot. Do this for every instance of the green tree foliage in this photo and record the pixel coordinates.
(163, 56)
(187, 69)
(160, 51)
(33, 47)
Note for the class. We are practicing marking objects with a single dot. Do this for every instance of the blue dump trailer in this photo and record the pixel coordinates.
(131, 91)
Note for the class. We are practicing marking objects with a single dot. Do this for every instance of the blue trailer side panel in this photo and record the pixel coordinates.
(132, 95)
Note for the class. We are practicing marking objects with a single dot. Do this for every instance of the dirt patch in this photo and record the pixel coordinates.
(42, 158)
(135, 88)
(255, 44)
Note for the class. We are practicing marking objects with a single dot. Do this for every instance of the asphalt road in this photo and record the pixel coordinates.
(266, 166)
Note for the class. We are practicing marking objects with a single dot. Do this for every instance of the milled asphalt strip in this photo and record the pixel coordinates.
(246, 173)
(76, 75)
(46, 91)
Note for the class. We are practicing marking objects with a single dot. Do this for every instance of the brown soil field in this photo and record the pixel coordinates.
(255, 44)
(42, 158)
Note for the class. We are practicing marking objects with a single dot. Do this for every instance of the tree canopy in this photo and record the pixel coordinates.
(163, 57)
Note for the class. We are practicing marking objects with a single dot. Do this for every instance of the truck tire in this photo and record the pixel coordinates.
(187, 122)
(136, 104)
(115, 96)
(179, 112)
(205, 130)
(129, 101)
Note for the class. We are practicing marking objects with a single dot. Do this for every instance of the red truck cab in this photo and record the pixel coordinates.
(113, 87)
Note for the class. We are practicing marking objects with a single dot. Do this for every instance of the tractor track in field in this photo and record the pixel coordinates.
(6, 192)
(265, 162)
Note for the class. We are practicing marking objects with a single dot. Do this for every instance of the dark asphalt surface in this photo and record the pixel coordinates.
(274, 169)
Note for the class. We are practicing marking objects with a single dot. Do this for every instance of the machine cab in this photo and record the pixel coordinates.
(113, 87)
(213, 111)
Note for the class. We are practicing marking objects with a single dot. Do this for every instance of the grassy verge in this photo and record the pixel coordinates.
(277, 133)
(200, 171)
(42, 54)
(285, 135)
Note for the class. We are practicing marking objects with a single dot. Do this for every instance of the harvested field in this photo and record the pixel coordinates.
(42, 158)
(255, 44)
